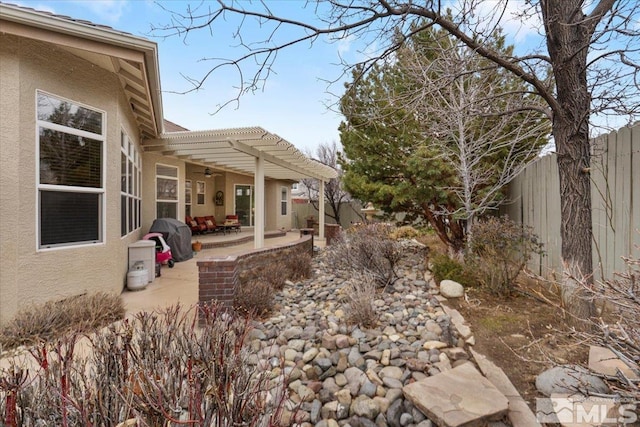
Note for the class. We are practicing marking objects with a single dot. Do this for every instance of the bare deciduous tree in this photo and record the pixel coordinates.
(334, 194)
(481, 125)
(590, 63)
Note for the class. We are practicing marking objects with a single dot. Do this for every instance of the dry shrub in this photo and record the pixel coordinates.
(431, 239)
(359, 297)
(299, 266)
(619, 328)
(404, 232)
(498, 250)
(159, 368)
(368, 249)
(255, 296)
(48, 321)
(275, 274)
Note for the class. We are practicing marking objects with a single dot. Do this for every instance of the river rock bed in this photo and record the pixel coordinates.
(338, 374)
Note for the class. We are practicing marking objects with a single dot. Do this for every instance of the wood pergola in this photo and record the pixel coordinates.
(250, 151)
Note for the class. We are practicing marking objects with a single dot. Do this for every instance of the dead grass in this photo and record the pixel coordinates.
(359, 296)
(48, 321)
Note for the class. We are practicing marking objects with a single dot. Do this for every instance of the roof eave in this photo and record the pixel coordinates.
(101, 34)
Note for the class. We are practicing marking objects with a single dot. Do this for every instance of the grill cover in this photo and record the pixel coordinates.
(177, 234)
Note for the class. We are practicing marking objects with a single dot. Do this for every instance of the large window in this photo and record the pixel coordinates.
(70, 150)
(166, 191)
(130, 183)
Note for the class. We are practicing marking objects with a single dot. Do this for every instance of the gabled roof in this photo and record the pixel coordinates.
(236, 150)
(133, 59)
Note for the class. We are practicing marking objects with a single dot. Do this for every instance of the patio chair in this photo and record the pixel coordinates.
(210, 220)
(232, 222)
(202, 222)
(194, 226)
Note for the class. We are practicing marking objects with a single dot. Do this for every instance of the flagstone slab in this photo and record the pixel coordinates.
(460, 397)
(519, 414)
(604, 361)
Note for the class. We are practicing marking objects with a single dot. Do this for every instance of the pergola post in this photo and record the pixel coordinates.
(321, 211)
(258, 231)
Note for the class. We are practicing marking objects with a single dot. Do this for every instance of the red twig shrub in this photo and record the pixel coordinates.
(160, 368)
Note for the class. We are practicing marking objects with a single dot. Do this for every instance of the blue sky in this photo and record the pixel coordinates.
(296, 103)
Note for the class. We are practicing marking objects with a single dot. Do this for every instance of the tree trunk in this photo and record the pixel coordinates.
(450, 231)
(567, 41)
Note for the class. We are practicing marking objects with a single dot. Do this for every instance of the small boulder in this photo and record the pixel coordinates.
(451, 289)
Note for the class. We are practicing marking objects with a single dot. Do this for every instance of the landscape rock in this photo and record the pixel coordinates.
(451, 289)
(569, 379)
(343, 375)
(457, 397)
(604, 361)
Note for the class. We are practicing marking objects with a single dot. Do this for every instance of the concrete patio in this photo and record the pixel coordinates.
(180, 283)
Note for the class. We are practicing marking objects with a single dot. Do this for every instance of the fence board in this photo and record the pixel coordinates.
(623, 198)
(349, 214)
(600, 195)
(609, 258)
(615, 195)
(553, 206)
(635, 191)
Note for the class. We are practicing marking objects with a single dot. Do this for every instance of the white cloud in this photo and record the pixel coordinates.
(509, 15)
(43, 7)
(106, 12)
(344, 45)
(109, 11)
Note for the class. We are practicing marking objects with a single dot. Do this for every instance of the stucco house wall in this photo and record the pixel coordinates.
(273, 197)
(116, 74)
(195, 173)
(28, 274)
(273, 219)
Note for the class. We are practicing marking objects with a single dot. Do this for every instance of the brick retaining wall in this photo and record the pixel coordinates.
(219, 277)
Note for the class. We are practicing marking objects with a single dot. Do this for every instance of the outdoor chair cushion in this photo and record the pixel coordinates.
(194, 226)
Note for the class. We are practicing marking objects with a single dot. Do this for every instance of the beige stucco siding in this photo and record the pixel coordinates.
(29, 275)
(196, 173)
(273, 196)
(11, 224)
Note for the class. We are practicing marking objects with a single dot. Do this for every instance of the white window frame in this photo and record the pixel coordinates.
(133, 190)
(188, 197)
(201, 189)
(284, 201)
(168, 177)
(100, 191)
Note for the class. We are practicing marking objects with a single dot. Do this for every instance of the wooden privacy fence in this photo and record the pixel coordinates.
(615, 199)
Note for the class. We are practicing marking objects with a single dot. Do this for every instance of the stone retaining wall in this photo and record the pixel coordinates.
(219, 277)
